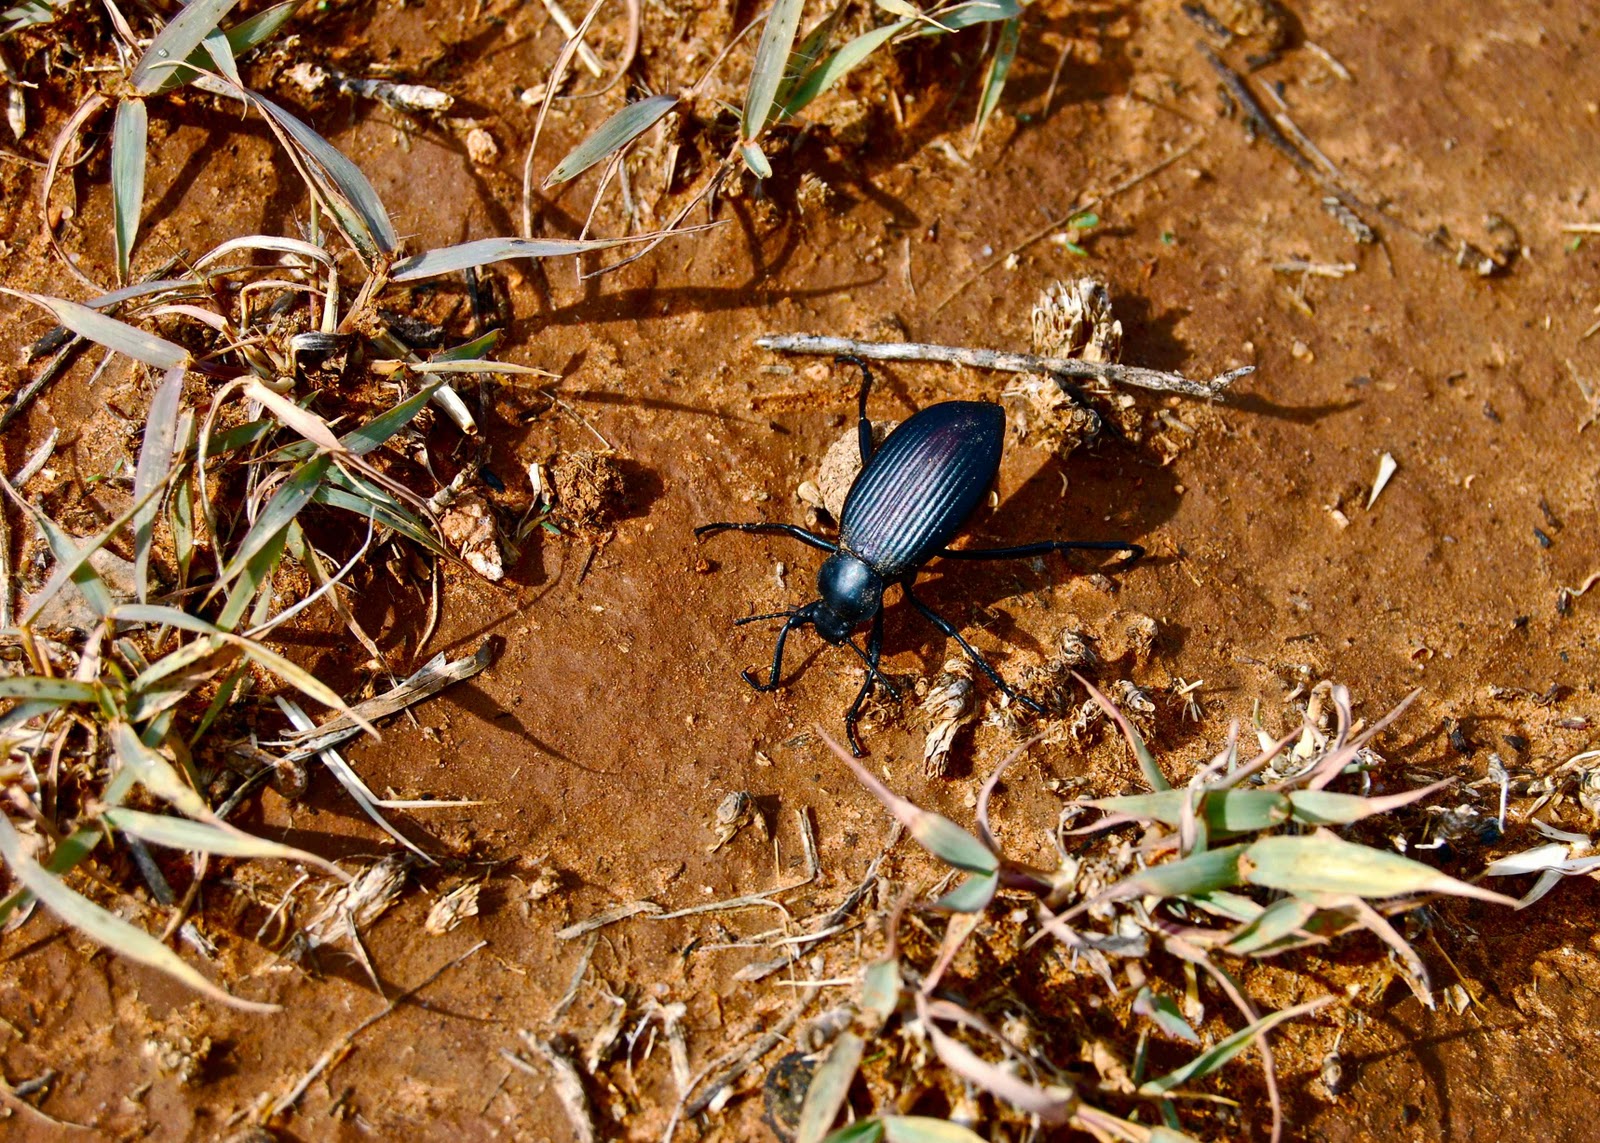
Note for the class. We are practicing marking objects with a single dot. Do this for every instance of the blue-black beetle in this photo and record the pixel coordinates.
(913, 495)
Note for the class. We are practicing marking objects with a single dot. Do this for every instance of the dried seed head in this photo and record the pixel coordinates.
(733, 814)
(1076, 651)
(361, 902)
(454, 907)
(1141, 632)
(950, 704)
(1589, 792)
(1073, 319)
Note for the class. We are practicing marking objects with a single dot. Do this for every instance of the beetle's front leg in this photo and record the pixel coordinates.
(874, 653)
(796, 619)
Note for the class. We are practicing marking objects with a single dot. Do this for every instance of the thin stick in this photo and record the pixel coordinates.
(1059, 367)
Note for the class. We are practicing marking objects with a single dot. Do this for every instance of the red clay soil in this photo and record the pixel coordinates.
(613, 720)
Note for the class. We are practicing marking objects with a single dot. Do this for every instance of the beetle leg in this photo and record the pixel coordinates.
(973, 653)
(863, 426)
(792, 531)
(1135, 551)
(796, 619)
(873, 652)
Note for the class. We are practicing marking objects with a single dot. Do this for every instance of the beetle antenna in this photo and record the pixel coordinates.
(769, 615)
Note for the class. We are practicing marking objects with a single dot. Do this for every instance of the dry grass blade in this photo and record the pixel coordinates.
(937, 834)
(153, 470)
(205, 837)
(351, 781)
(182, 35)
(117, 336)
(432, 678)
(486, 251)
(830, 1085)
(104, 928)
(558, 74)
(1224, 1050)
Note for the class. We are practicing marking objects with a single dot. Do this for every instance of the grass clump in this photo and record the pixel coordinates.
(1243, 861)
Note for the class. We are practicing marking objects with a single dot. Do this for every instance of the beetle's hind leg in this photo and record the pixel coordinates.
(863, 426)
(973, 653)
(872, 654)
(793, 531)
(1044, 547)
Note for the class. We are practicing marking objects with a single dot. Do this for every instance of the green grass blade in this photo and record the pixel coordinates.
(810, 49)
(385, 512)
(72, 564)
(280, 511)
(767, 72)
(1284, 919)
(974, 12)
(104, 928)
(1199, 873)
(130, 135)
(820, 78)
(220, 51)
(375, 432)
(154, 772)
(1323, 862)
(1224, 1050)
(474, 350)
(245, 36)
(994, 81)
(255, 573)
(345, 191)
(177, 40)
(250, 33)
(56, 692)
(1322, 807)
(117, 336)
(937, 834)
(205, 837)
(1163, 1012)
(155, 463)
(861, 1131)
(972, 895)
(611, 136)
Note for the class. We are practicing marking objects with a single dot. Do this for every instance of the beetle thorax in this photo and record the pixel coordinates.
(852, 593)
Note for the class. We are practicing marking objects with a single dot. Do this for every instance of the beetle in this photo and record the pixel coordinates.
(914, 494)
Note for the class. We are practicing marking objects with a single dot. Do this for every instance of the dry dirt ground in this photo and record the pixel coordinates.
(613, 719)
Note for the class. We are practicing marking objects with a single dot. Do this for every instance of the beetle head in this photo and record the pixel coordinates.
(852, 593)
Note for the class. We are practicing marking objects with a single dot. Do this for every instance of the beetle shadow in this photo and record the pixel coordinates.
(1063, 499)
